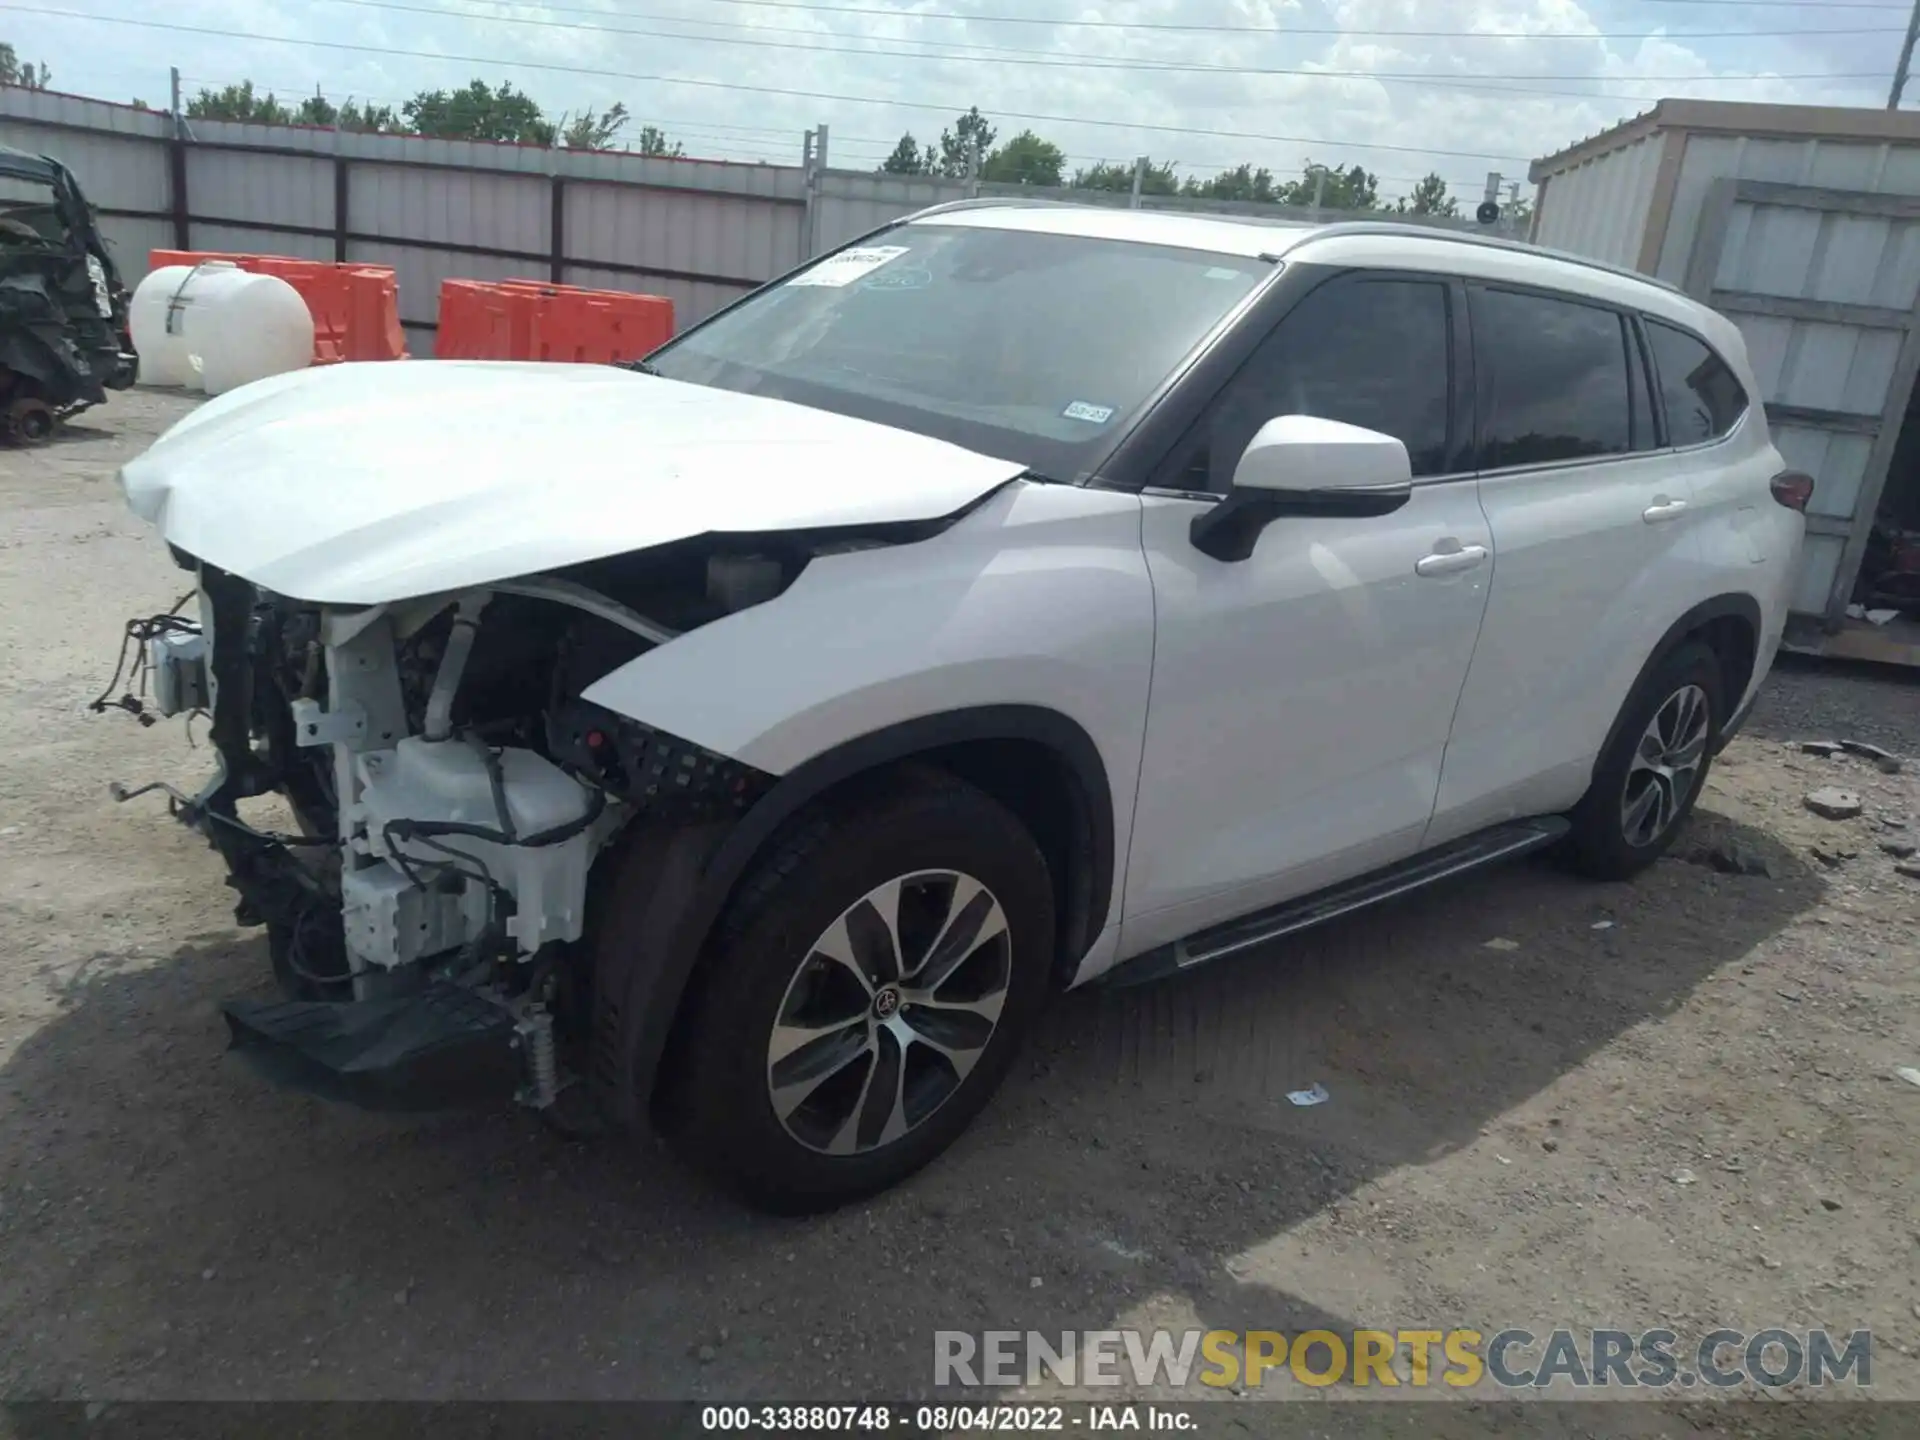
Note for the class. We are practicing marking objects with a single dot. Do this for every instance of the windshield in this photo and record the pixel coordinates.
(1034, 348)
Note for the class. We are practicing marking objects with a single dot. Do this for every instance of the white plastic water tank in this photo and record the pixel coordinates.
(250, 328)
(215, 327)
(157, 316)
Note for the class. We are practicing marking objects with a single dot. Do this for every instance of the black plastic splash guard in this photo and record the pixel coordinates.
(440, 1048)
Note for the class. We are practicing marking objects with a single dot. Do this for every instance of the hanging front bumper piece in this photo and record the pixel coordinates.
(441, 1048)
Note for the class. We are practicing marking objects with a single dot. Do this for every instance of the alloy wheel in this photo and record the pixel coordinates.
(1666, 766)
(889, 1011)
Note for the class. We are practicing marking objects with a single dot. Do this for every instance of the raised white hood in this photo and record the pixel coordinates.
(360, 484)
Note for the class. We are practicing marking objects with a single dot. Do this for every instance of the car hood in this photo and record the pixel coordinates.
(365, 483)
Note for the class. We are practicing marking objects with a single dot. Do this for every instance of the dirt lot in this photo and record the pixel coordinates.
(1672, 1102)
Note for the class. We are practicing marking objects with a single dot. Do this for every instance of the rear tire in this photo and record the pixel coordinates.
(1648, 780)
(815, 1068)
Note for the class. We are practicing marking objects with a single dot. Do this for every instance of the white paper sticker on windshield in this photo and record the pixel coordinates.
(1220, 272)
(849, 266)
(1092, 414)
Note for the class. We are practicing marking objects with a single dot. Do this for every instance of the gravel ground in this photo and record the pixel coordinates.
(1665, 1103)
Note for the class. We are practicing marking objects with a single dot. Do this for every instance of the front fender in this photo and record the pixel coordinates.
(1032, 618)
(1040, 598)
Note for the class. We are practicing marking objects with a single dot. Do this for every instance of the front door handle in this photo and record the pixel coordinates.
(1663, 510)
(1450, 562)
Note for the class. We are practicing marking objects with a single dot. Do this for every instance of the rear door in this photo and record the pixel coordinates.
(1590, 520)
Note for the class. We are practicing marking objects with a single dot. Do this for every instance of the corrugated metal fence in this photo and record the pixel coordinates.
(701, 232)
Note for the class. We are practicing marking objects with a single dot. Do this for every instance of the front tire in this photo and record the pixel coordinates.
(1648, 780)
(864, 995)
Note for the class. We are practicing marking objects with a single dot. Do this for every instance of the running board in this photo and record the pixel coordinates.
(1486, 847)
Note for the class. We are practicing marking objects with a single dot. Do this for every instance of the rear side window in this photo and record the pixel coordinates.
(1372, 353)
(1702, 396)
(1553, 380)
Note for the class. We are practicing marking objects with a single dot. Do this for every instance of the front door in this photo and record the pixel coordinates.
(1302, 697)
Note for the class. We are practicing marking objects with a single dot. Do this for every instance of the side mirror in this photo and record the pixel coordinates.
(1299, 465)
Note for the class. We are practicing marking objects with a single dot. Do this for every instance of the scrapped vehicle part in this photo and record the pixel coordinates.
(29, 421)
(747, 741)
(63, 310)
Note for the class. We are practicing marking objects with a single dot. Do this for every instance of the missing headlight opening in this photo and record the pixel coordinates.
(450, 791)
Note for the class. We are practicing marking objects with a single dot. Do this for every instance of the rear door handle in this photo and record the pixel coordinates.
(1450, 562)
(1662, 510)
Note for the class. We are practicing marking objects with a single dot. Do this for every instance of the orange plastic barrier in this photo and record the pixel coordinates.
(479, 320)
(532, 320)
(355, 308)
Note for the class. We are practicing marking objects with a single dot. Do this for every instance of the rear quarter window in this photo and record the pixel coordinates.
(1702, 396)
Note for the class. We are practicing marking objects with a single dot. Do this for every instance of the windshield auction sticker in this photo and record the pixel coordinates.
(849, 266)
(1091, 413)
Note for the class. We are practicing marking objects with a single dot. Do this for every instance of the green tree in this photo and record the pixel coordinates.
(959, 141)
(1430, 197)
(480, 112)
(1026, 159)
(588, 131)
(373, 119)
(1243, 182)
(25, 74)
(1354, 188)
(652, 140)
(239, 102)
(1154, 180)
(909, 159)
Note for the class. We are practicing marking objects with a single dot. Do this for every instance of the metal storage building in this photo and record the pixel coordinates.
(1801, 224)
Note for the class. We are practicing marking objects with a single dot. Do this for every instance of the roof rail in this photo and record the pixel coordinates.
(1488, 242)
(1398, 229)
(993, 202)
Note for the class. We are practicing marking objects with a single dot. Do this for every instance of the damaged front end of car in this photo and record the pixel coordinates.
(63, 311)
(451, 793)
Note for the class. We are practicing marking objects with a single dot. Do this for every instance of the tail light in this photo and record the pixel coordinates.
(1793, 489)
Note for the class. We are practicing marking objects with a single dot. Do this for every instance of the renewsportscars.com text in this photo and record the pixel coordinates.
(1512, 1359)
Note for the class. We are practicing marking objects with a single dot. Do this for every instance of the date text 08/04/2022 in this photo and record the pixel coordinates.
(944, 1419)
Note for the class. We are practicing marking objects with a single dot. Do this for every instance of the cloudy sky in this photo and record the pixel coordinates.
(1400, 86)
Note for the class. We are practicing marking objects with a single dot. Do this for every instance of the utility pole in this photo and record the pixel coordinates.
(1906, 58)
(810, 178)
(1139, 178)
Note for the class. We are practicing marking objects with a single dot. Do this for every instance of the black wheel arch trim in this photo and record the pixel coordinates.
(691, 872)
(1720, 607)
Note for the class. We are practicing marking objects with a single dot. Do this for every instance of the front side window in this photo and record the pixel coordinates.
(1552, 378)
(1372, 353)
(1702, 395)
(1031, 347)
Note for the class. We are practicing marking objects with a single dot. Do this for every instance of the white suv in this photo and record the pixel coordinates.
(1024, 596)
